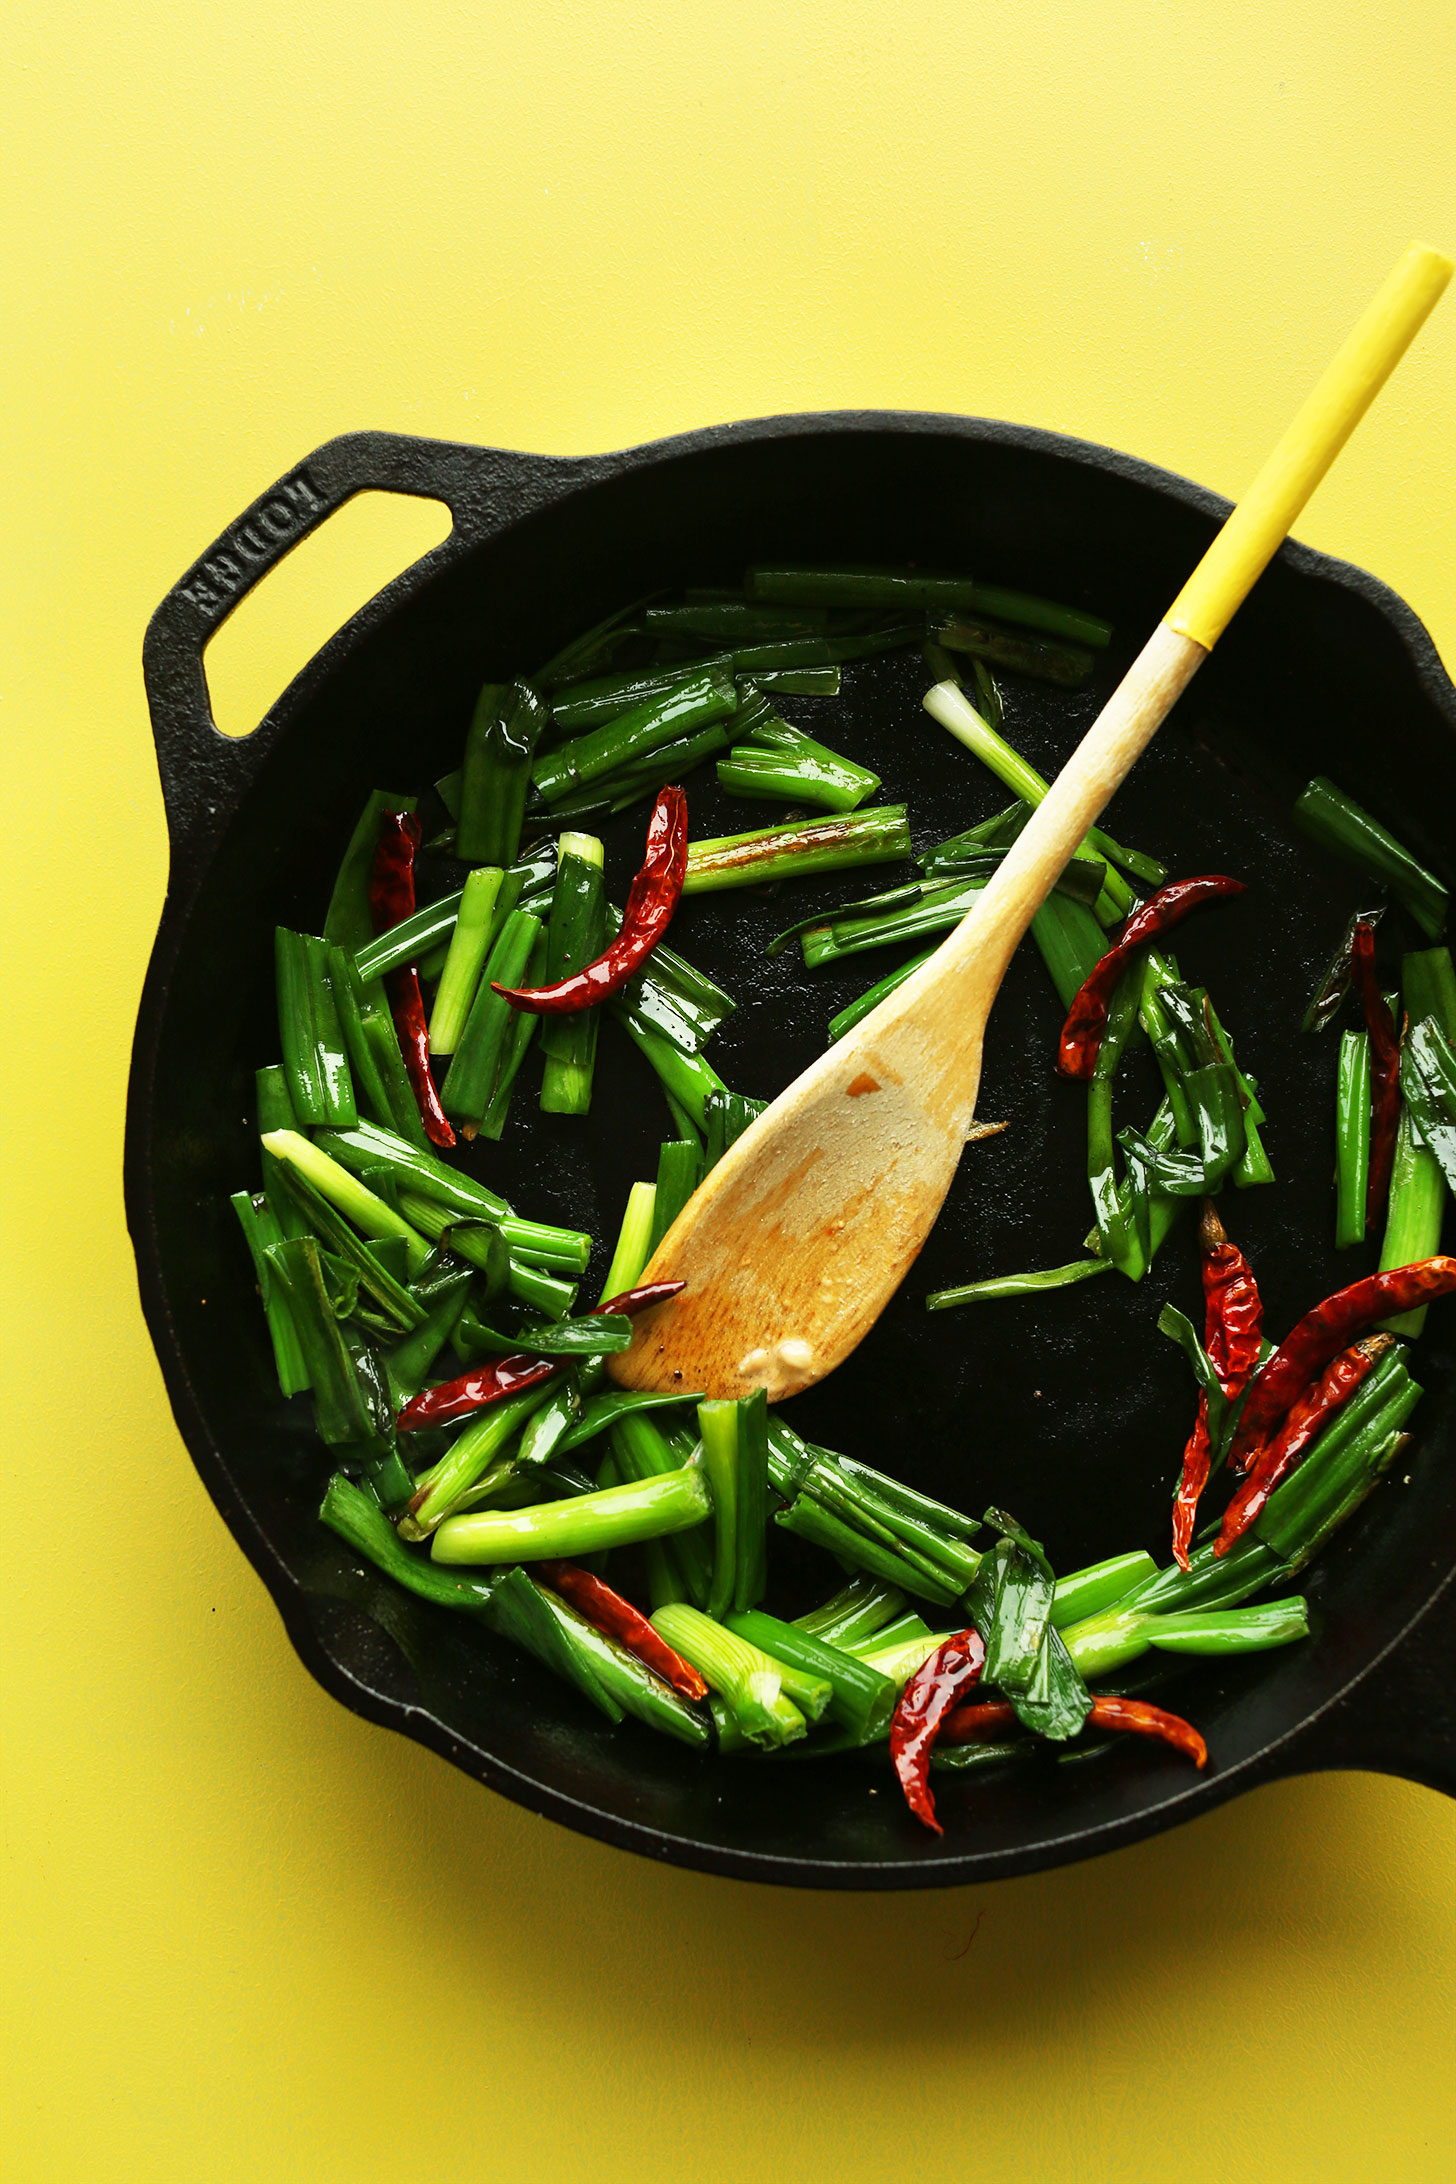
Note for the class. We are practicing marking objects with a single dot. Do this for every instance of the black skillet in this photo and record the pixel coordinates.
(1069, 1410)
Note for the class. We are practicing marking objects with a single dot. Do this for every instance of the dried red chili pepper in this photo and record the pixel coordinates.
(974, 1724)
(924, 1703)
(391, 901)
(607, 1611)
(651, 901)
(1306, 1418)
(1233, 1332)
(1323, 1333)
(1149, 1721)
(1384, 1067)
(1087, 1017)
(503, 1376)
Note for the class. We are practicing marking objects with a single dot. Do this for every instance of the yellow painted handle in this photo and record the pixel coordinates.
(1256, 529)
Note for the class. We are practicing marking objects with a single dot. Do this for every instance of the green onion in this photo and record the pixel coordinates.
(781, 761)
(381, 1083)
(600, 1412)
(407, 1365)
(1428, 1085)
(608, 697)
(730, 621)
(899, 1518)
(634, 1686)
(856, 1612)
(672, 997)
(522, 1031)
(314, 1058)
(613, 1517)
(1298, 1509)
(855, 1011)
(368, 1264)
(469, 945)
(735, 1459)
(809, 1518)
(341, 1411)
(500, 744)
(260, 1229)
(706, 696)
(948, 704)
(634, 1242)
(411, 940)
(1225, 1631)
(642, 1451)
(900, 1661)
(349, 922)
(797, 849)
(860, 1699)
(1048, 662)
(775, 655)
(1119, 1234)
(358, 1519)
(896, 591)
(644, 776)
(1100, 1586)
(1414, 1217)
(1352, 1138)
(522, 1610)
(1341, 826)
(688, 1079)
(576, 936)
(341, 1189)
(798, 682)
(589, 653)
(1015, 1631)
(740, 1673)
(897, 1632)
(1070, 943)
(470, 1082)
(937, 910)
(726, 1115)
(679, 1172)
(439, 1490)
(274, 1111)
(1017, 1285)
(420, 1171)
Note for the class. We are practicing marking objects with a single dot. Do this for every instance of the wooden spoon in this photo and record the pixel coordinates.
(803, 1231)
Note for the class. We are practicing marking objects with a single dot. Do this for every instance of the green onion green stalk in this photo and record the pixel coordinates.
(798, 849)
(708, 695)
(576, 937)
(741, 1675)
(500, 745)
(1343, 827)
(892, 591)
(315, 1062)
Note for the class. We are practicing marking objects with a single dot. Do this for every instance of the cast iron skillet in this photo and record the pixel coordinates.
(1069, 1411)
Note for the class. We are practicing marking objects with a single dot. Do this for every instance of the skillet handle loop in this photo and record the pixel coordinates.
(203, 772)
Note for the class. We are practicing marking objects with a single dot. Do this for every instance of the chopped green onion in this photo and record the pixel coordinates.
(614, 1516)
(1100, 1586)
(1341, 826)
(688, 1079)
(798, 849)
(469, 946)
(471, 1080)
(740, 1673)
(410, 940)
(634, 1242)
(896, 591)
(679, 1172)
(1415, 1216)
(860, 1699)
(706, 696)
(608, 697)
(359, 1521)
(855, 1011)
(576, 936)
(1017, 1285)
(341, 1410)
(260, 1229)
(440, 1490)
(341, 1189)
(500, 745)
(314, 1058)
(856, 1612)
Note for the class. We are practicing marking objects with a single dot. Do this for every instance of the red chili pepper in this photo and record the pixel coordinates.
(1309, 1416)
(974, 1724)
(924, 1703)
(651, 900)
(1384, 1067)
(1232, 1333)
(1087, 1017)
(503, 1376)
(391, 901)
(608, 1611)
(1323, 1333)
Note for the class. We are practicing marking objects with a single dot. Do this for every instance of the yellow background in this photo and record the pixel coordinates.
(255, 1938)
